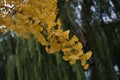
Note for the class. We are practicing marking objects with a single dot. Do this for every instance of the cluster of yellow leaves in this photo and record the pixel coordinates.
(31, 15)
(38, 17)
(72, 48)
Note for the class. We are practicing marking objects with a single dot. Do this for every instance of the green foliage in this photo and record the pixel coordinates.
(31, 62)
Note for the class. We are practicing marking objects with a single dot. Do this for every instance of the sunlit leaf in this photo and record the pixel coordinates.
(42, 40)
(72, 62)
(86, 56)
(66, 58)
(73, 57)
(86, 66)
(83, 62)
(73, 40)
(66, 34)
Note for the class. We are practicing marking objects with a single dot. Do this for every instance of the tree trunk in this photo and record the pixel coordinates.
(102, 68)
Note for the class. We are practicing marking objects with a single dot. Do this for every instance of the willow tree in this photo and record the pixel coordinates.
(40, 48)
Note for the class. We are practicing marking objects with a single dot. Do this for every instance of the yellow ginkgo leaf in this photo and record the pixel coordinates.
(73, 40)
(86, 66)
(26, 35)
(80, 52)
(67, 53)
(73, 57)
(53, 46)
(78, 46)
(66, 49)
(86, 56)
(58, 32)
(50, 24)
(72, 62)
(66, 58)
(50, 50)
(66, 34)
(42, 40)
(36, 30)
(52, 16)
(83, 62)
(60, 39)
(58, 22)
